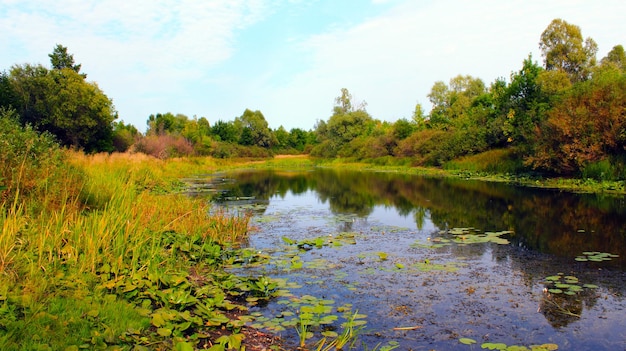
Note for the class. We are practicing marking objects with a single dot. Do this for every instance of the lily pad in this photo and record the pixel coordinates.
(467, 341)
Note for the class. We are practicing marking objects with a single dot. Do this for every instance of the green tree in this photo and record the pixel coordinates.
(450, 103)
(617, 57)
(254, 129)
(225, 131)
(524, 94)
(402, 128)
(281, 135)
(563, 48)
(124, 136)
(61, 102)
(298, 139)
(8, 97)
(60, 59)
(346, 124)
(166, 123)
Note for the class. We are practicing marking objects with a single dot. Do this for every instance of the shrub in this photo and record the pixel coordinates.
(29, 161)
(164, 146)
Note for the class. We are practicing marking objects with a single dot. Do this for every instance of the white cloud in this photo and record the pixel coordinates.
(162, 55)
(392, 60)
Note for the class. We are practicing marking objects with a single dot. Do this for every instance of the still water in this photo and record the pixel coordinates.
(431, 261)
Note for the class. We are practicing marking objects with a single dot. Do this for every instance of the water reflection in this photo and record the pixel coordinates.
(496, 291)
(557, 223)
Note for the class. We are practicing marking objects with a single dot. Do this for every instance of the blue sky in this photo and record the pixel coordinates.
(289, 58)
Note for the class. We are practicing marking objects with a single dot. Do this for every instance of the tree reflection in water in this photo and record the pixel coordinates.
(550, 229)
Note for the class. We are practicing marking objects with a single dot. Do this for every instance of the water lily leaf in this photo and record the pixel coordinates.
(467, 341)
(555, 291)
(164, 332)
(590, 286)
(493, 346)
(158, 320)
(183, 346)
(545, 347)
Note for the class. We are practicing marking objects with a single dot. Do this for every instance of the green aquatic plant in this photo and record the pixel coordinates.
(565, 284)
(505, 347)
(463, 236)
(594, 256)
(343, 238)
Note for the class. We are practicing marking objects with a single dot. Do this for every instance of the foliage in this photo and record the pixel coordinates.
(62, 103)
(164, 146)
(116, 274)
(254, 129)
(8, 96)
(124, 136)
(587, 125)
(563, 49)
(61, 59)
(616, 57)
(166, 123)
(29, 161)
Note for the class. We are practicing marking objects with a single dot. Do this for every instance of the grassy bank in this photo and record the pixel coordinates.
(109, 257)
(105, 252)
(492, 166)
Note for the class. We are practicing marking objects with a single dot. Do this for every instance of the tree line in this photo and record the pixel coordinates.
(564, 117)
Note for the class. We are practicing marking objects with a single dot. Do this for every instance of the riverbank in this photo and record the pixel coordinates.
(576, 185)
(107, 251)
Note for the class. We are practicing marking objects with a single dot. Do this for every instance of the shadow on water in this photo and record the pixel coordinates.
(412, 265)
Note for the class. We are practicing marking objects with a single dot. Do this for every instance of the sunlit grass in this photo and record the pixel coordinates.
(96, 211)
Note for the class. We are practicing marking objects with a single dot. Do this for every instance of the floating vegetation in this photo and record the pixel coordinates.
(594, 256)
(343, 238)
(503, 346)
(311, 316)
(464, 236)
(565, 284)
(467, 341)
(388, 229)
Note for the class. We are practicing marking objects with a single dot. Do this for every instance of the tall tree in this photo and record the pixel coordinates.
(617, 57)
(255, 130)
(60, 59)
(61, 102)
(225, 131)
(450, 103)
(563, 48)
(8, 97)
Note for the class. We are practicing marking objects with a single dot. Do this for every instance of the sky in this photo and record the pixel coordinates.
(289, 59)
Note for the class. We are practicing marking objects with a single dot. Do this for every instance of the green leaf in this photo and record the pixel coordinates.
(164, 332)
(183, 346)
(467, 341)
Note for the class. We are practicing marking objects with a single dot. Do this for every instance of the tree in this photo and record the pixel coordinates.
(8, 97)
(343, 103)
(124, 136)
(254, 129)
(225, 131)
(588, 124)
(450, 103)
(563, 48)
(61, 102)
(617, 57)
(60, 59)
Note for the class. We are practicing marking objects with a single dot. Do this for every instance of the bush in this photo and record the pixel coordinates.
(494, 161)
(606, 169)
(30, 163)
(164, 146)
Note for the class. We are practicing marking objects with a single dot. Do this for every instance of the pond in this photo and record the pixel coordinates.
(434, 263)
